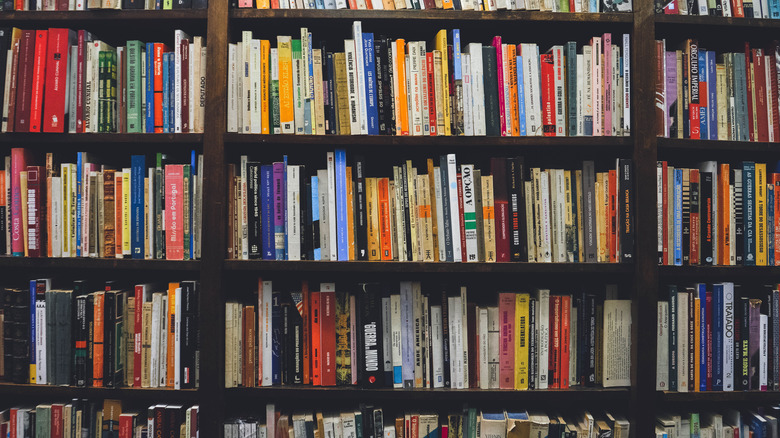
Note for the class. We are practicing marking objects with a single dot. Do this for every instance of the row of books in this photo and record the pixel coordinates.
(369, 421)
(81, 418)
(60, 80)
(385, 86)
(145, 337)
(715, 337)
(701, 94)
(452, 212)
(87, 209)
(458, 5)
(82, 5)
(718, 214)
(719, 8)
(397, 335)
(727, 423)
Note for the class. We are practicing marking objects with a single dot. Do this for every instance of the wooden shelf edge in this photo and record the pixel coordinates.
(98, 263)
(713, 272)
(688, 20)
(20, 138)
(677, 144)
(104, 14)
(719, 396)
(63, 393)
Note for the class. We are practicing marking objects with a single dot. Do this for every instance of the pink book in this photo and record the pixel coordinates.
(34, 210)
(500, 71)
(506, 355)
(18, 165)
(607, 40)
(597, 74)
(174, 216)
(138, 334)
(244, 3)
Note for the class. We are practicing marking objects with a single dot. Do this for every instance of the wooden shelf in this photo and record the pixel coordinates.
(429, 267)
(99, 264)
(103, 14)
(720, 396)
(677, 144)
(717, 273)
(429, 15)
(26, 138)
(50, 393)
(707, 21)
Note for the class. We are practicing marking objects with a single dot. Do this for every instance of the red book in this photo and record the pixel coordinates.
(759, 65)
(137, 333)
(24, 81)
(547, 65)
(708, 332)
(126, 425)
(352, 4)
(565, 339)
(185, 85)
(612, 223)
(12, 421)
(84, 38)
(506, 345)
(57, 422)
(194, 422)
(18, 165)
(737, 8)
(38, 80)
(462, 221)
(749, 83)
(665, 182)
(693, 68)
(328, 334)
(672, 8)
(316, 360)
(174, 214)
(98, 338)
(695, 228)
(555, 342)
(159, 49)
(35, 210)
(57, 62)
(776, 182)
(431, 92)
(500, 76)
(501, 207)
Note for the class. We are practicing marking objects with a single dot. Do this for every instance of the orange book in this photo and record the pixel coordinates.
(385, 229)
(286, 111)
(513, 96)
(316, 359)
(306, 332)
(97, 338)
(447, 4)
(159, 49)
(372, 216)
(171, 360)
(265, 62)
(434, 212)
(118, 214)
(776, 185)
(350, 214)
(724, 215)
(402, 108)
(612, 218)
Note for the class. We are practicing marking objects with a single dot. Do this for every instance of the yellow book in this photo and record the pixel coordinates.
(350, 214)
(522, 311)
(126, 212)
(372, 210)
(488, 218)
(569, 217)
(441, 45)
(600, 223)
(761, 228)
(286, 110)
(265, 68)
(696, 343)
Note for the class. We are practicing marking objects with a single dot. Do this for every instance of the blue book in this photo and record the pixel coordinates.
(521, 95)
(342, 243)
(171, 92)
(770, 223)
(717, 337)
(320, 4)
(758, 426)
(369, 65)
(166, 92)
(749, 211)
(774, 9)
(704, 131)
(712, 95)
(149, 87)
(315, 217)
(277, 337)
(701, 291)
(740, 94)
(678, 177)
(79, 192)
(137, 169)
(407, 333)
(456, 55)
(266, 211)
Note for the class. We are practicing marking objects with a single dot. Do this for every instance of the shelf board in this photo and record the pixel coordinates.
(707, 273)
(102, 14)
(23, 138)
(427, 267)
(63, 393)
(678, 144)
(430, 15)
(708, 21)
(720, 396)
(348, 393)
(98, 263)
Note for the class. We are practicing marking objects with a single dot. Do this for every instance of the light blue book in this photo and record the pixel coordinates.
(342, 242)
(521, 95)
(678, 179)
(315, 217)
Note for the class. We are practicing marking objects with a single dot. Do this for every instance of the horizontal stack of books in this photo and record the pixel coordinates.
(451, 212)
(60, 80)
(717, 337)
(383, 86)
(399, 336)
(718, 214)
(146, 337)
(733, 96)
(86, 209)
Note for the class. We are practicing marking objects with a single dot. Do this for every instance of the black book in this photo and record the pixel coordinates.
(407, 212)
(445, 203)
(51, 336)
(80, 341)
(189, 334)
(744, 331)
(182, 4)
(63, 348)
(445, 337)
(532, 362)
(17, 335)
(626, 203)
(331, 124)
(109, 332)
(589, 211)
(518, 245)
(133, 4)
(369, 297)
(361, 227)
(380, 48)
(254, 220)
(174, 417)
(307, 249)
(588, 372)
(378, 423)
(286, 347)
(200, 4)
(389, 95)
(492, 116)
(705, 217)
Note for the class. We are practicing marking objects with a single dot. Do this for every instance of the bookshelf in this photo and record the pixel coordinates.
(643, 277)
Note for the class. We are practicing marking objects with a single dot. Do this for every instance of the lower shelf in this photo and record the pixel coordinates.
(48, 393)
(757, 397)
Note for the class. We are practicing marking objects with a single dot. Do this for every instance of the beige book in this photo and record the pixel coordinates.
(342, 93)
(318, 109)
(530, 229)
(488, 218)
(479, 214)
(536, 185)
(146, 344)
(579, 200)
(400, 218)
(411, 178)
(372, 211)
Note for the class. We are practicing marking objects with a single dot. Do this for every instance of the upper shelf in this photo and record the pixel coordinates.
(102, 14)
(79, 263)
(24, 138)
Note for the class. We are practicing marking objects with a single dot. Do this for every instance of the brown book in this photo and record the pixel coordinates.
(109, 247)
(249, 347)
(26, 63)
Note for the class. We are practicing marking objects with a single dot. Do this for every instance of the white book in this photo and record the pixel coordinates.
(70, 88)
(464, 336)
(41, 377)
(332, 236)
(400, 218)
(298, 73)
(573, 377)
(627, 84)
(352, 87)
(7, 88)
(530, 228)
(89, 89)
(154, 377)
(389, 432)
(322, 186)
(424, 88)
(482, 347)
(178, 37)
(682, 343)
(532, 88)
(415, 92)
(267, 333)
(395, 324)
(546, 220)
(764, 346)
(357, 36)
(255, 73)
(477, 88)
(294, 212)
(560, 206)
(616, 357)
(417, 324)
(493, 351)
(587, 89)
(440, 213)
(468, 116)
(56, 212)
(192, 80)
(387, 336)
(426, 333)
(469, 211)
(728, 336)
(270, 426)
(177, 340)
(452, 180)
(317, 102)
(662, 342)
(617, 93)
(242, 112)
(275, 76)
(150, 225)
(437, 348)
(543, 337)
(232, 104)
(456, 342)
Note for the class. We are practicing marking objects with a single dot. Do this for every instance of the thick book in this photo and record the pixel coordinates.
(492, 92)
(371, 369)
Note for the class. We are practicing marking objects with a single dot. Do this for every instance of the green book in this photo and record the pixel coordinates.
(111, 91)
(134, 90)
(42, 421)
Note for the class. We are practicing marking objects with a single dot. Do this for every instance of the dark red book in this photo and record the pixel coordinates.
(693, 67)
(35, 211)
(24, 81)
(772, 52)
(57, 61)
(547, 66)
(554, 363)
(185, 85)
(565, 339)
(328, 337)
(431, 94)
(501, 207)
(38, 79)
(462, 221)
(316, 344)
(749, 82)
(760, 82)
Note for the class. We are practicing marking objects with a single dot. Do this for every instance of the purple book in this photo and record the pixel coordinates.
(280, 208)
(754, 349)
(671, 94)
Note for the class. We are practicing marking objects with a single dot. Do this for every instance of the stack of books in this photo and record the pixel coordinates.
(726, 422)
(384, 86)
